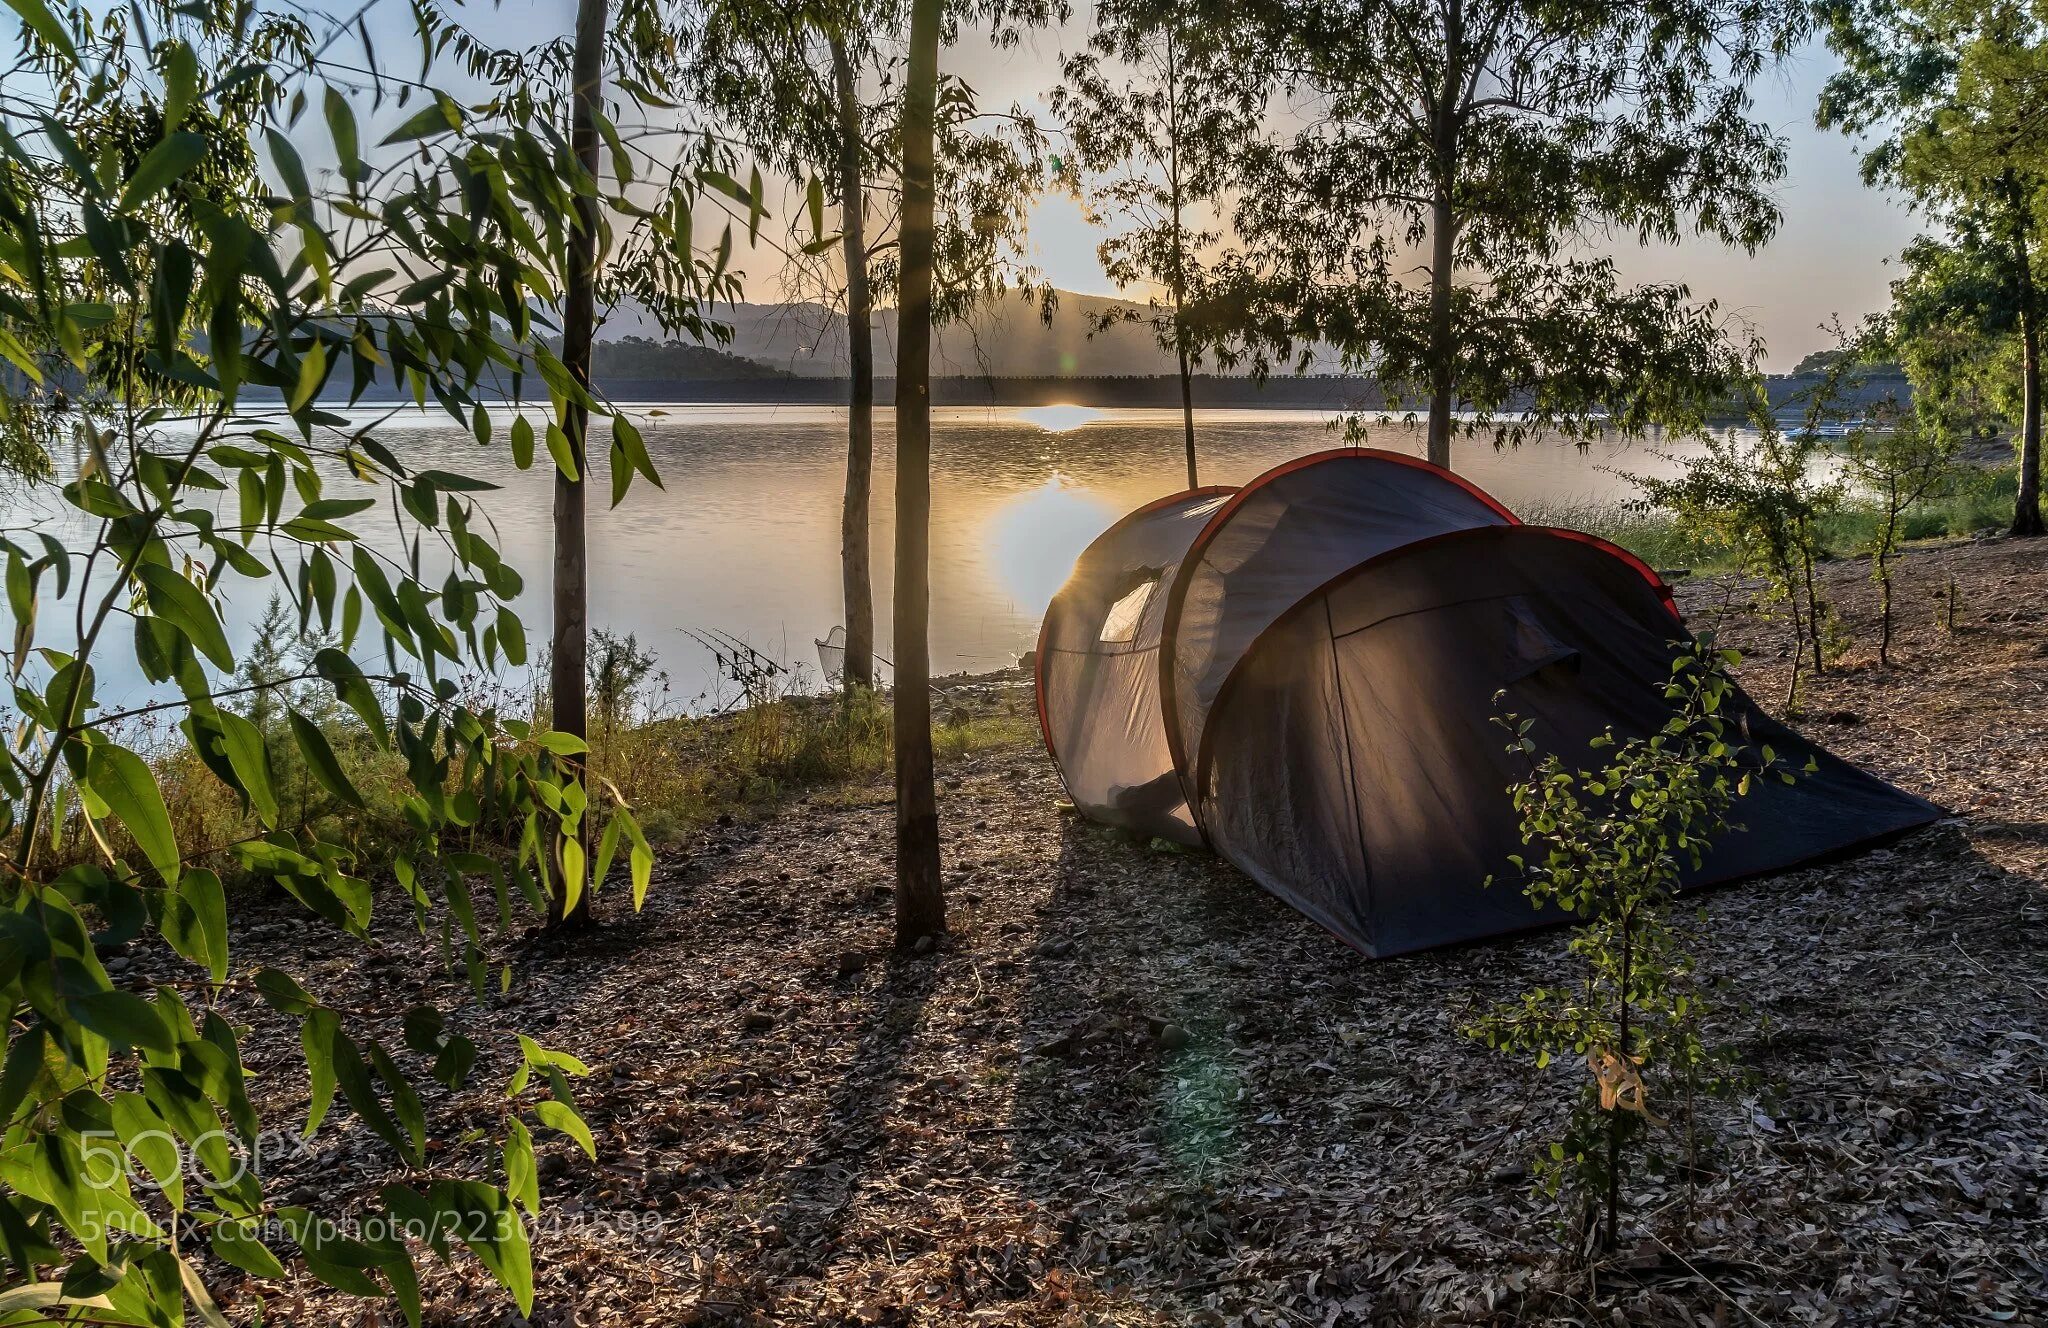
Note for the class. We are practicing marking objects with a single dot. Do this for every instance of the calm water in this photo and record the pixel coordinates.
(745, 537)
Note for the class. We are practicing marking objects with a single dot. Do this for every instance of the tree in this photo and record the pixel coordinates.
(789, 78)
(920, 895)
(1954, 325)
(1952, 89)
(180, 319)
(856, 562)
(603, 248)
(569, 655)
(1475, 141)
(1156, 131)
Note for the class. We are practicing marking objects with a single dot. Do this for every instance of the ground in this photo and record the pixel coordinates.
(1131, 1088)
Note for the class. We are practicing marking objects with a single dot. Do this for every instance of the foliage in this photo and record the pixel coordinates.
(766, 69)
(1611, 845)
(184, 322)
(1154, 131)
(1764, 498)
(1476, 139)
(1949, 91)
(1901, 460)
(1954, 325)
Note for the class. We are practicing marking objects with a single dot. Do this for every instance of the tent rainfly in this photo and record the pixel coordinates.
(1300, 674)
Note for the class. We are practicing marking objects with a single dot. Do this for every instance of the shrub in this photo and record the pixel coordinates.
(1610, 845)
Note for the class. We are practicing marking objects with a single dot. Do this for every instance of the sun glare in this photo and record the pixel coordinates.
(1034, 538)
(1059, 419)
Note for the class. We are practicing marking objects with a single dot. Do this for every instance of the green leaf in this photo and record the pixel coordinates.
(120, 779)
(563, 1117)
(341, 123)
(522, 443)
(317, 1036)
(522, 1180)
(354, 691)
(320, 760)
(312, 373)
(289, 167)
(182, 605)
(249, 756)
(196, 921)
(237, 1243)
(123, 1019)
(181, 83)
(562, 452)
(488, 1222)
(162, 164)
(439, 118)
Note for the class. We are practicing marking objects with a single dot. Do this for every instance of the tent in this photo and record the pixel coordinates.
(1300, 674)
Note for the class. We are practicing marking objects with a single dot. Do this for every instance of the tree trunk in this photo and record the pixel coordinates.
(2026, 515)
(1187, 404)
(1443, 242)
(579, 320)
(1180, 257)
(856, 564)
(920, 902)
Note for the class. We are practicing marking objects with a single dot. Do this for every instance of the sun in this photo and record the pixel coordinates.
(1061, 418)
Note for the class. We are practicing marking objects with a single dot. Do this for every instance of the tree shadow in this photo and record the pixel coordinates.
(1325, 1140)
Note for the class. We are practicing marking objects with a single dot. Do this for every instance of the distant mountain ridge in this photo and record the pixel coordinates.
(1007, 338)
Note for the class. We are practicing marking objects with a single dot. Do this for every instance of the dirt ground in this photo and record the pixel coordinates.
(1131, 1088)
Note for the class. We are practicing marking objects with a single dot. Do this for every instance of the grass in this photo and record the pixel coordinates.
(678, 772)
(1980, 500)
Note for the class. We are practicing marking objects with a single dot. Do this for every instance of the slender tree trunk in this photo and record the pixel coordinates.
(1883, 558)
(1180, 257)
(1187, 404)
(2026, 515)
(1443, 242)
(856, 564)
(1813, 605)
(1612, 1234)
(579, 322)
(920, 902)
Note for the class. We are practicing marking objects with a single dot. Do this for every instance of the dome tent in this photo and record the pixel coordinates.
(1301, 674)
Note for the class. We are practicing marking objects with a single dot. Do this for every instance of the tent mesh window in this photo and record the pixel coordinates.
(1121, 624)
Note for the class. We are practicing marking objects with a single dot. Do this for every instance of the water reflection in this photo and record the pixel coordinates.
(744, 538)
(1059, 419)
(1034, 538)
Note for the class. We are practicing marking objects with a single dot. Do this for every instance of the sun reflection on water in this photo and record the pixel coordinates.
(1034, 538)
(1059, 419)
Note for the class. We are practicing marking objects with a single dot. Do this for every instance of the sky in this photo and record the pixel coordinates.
(1828, 259)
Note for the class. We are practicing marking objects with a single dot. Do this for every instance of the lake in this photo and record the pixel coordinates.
(744, 539)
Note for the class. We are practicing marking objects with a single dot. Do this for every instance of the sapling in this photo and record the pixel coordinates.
(1612, 845)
